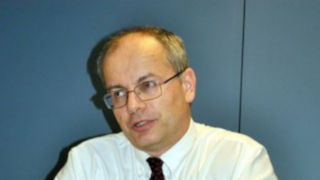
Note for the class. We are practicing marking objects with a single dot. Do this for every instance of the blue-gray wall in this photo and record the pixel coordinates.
(262, 81)
(281, 83)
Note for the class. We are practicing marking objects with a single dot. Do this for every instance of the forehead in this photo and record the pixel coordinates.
(135, 56)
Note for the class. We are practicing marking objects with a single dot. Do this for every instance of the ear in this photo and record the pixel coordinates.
(189, 84)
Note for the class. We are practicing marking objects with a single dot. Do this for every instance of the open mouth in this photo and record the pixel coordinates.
(143, 125)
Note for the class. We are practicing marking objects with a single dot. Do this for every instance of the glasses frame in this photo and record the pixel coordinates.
(107, 95)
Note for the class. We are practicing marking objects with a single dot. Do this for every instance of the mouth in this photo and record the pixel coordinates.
(142, 125)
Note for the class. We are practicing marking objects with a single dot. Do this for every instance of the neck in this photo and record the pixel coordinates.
(158, 151)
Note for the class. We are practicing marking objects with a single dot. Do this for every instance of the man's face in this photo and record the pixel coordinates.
(155, 125)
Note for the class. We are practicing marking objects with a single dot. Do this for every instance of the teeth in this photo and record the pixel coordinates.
(141, 123)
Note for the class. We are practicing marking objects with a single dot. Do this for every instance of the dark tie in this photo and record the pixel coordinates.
(156, 168)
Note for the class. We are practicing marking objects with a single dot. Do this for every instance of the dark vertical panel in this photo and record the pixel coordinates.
(45, 89)
(281, 89)
(241, 65)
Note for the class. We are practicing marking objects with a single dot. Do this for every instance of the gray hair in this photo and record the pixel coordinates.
(173, 44)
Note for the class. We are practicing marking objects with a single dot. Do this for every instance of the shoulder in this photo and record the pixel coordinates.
(232, 154)
(112, 143)
(221, 137)
(88, 159)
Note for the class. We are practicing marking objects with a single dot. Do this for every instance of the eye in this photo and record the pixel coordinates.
(118, 93)
(147, 86)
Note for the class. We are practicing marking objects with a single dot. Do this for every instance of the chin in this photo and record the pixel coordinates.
(147, 143)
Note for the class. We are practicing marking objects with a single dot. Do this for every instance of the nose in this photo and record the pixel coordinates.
(134, 103)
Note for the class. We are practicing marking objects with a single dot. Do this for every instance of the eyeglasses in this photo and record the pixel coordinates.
(148, 90)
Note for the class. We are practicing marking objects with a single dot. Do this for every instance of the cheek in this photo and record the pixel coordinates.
(168, 104)
(174, 96)
(121, 118)
(175, 102)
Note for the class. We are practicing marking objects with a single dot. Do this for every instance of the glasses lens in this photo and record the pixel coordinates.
(107, 100)
(148, 90)
(115, 98)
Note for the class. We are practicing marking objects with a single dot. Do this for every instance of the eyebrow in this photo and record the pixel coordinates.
(142, 78)
(145, 77)
(115, 87)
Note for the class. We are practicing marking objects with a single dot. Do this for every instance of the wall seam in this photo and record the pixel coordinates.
(241, 65)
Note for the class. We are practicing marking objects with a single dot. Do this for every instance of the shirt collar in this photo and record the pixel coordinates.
(175, 155)
(142, 165)
(141, 155)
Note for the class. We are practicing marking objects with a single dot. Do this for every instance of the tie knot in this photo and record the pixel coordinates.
(155, 163)
(156, 168)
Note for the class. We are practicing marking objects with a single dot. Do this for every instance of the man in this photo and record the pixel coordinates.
(150, 88)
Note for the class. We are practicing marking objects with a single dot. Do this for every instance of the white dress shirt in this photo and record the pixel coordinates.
(203, 153)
